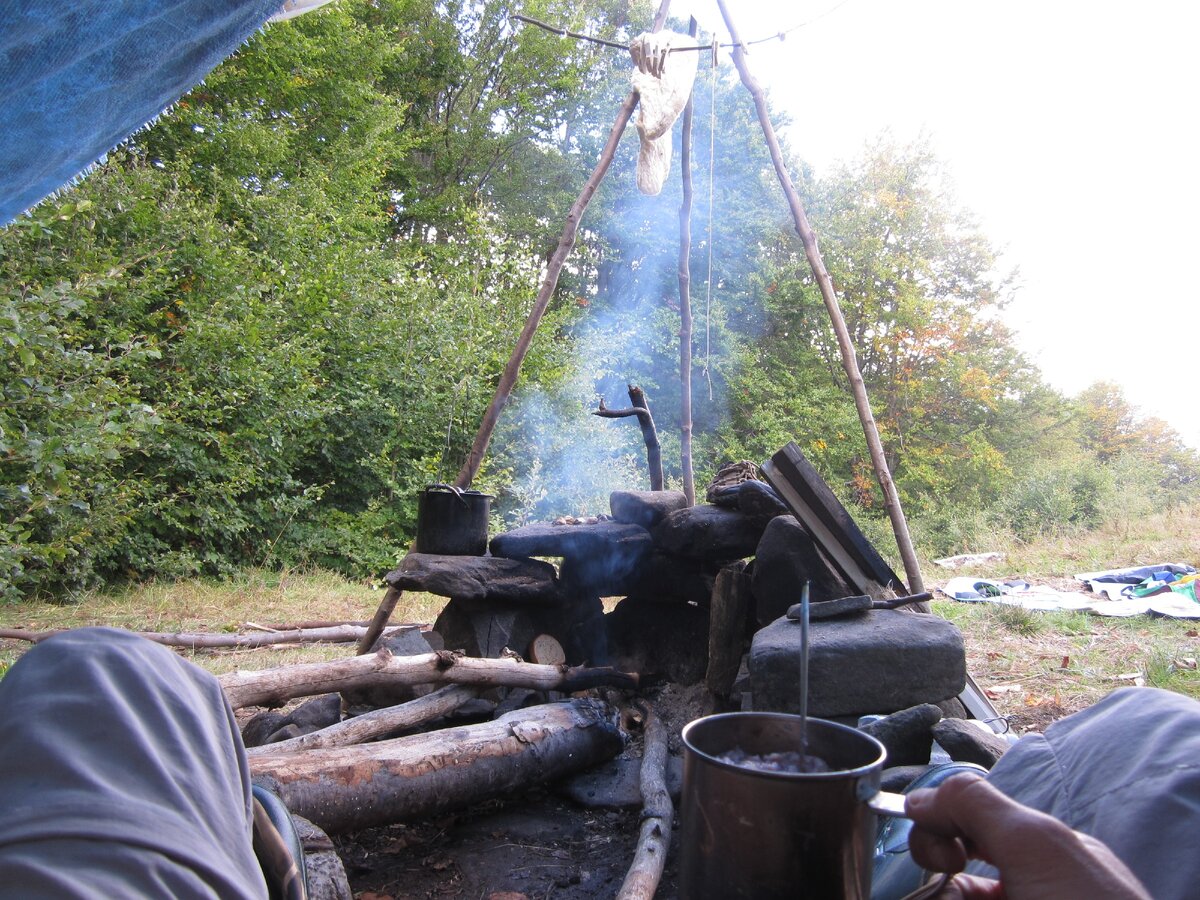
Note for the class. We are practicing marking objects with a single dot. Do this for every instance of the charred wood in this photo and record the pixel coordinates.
(414, 777)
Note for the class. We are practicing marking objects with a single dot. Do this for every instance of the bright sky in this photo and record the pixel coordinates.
(1070, 129)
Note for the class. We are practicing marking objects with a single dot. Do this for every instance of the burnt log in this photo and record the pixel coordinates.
(640, 409)
(415, 777)
(377, 724)
(274, 687)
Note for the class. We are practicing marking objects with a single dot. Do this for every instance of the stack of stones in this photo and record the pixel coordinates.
(662, 558)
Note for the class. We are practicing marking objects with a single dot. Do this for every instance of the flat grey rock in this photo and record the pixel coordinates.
(877, 662)
(967, 742)
(907, 734)
(542, 539)
(645, 508)
(479, 579)
(708, 533)
(786, 557)
(616, 784)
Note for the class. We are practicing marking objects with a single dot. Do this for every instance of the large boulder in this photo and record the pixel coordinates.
(479, 579)
(645, 508)
(786, 557)
(876, 662)
(708, 533)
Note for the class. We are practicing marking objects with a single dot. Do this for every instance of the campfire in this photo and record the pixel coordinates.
(559, 663)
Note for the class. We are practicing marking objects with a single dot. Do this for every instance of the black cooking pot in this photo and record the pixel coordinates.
(452, 522)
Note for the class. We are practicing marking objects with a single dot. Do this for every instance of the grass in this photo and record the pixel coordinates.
(1038, 666)
(261, 597)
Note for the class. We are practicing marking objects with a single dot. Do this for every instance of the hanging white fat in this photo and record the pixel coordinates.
(663, 81)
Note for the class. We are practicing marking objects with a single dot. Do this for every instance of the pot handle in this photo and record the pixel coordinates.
(457, 491)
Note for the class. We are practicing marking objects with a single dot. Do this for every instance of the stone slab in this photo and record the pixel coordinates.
(479, 579)
(880, 661)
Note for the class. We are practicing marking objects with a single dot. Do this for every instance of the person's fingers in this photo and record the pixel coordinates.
(989, 824)
(937, 853)
(971, 887)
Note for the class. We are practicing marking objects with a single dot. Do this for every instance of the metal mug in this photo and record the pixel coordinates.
(749, 833)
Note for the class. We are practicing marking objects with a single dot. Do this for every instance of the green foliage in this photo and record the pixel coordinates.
(68, 420)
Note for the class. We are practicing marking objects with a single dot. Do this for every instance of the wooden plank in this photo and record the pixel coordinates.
(812, 502)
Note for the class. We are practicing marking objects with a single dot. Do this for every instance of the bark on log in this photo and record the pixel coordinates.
(808, 238)
(727, 628)
(414, 777)
(641, 409)
(685, 297)
(335, 634)
(654, 839)
(274, 687)
(566, 243)
(377, 724)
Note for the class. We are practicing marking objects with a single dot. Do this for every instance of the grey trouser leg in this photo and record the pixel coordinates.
(1126, 771)
(122, 774)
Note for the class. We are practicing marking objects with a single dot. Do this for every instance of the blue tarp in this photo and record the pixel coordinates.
(77, 78)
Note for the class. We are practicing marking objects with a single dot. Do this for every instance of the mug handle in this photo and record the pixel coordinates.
(886, 803)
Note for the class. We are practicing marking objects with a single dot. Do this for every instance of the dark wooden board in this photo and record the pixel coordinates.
(811, 501)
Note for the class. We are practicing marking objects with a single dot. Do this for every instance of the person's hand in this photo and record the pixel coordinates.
(1038, 857)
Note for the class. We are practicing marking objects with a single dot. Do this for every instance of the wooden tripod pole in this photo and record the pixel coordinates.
(566, 243)
(808, 237)
(685, 298)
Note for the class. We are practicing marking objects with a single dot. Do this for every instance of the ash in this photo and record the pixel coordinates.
(791, 761)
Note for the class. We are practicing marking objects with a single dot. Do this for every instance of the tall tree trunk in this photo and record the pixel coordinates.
(685, 297)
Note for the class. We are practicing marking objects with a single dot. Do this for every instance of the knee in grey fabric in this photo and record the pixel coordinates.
(121, 764)
(1127, 772)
